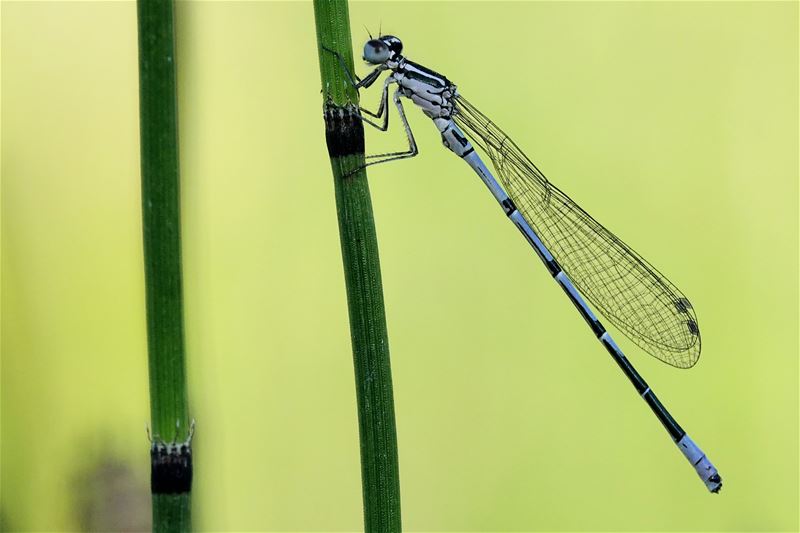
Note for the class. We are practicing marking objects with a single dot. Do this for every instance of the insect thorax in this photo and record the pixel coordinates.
(429, 90)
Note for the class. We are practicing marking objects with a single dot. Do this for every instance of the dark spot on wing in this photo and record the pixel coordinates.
(683, 305)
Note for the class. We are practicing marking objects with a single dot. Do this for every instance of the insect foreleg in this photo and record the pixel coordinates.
(355, 81)
(383, 109)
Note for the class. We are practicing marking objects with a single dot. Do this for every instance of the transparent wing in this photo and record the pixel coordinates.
(625, 288)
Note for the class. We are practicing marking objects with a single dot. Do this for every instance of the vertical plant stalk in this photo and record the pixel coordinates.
(345, 139)
(170, 452)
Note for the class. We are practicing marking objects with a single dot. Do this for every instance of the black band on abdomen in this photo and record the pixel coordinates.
(674, 429)
(509, 207)
(553, 267)
(636, 380)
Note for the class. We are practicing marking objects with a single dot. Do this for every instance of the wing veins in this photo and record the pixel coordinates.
(620, 283)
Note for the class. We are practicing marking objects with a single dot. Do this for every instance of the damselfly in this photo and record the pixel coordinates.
(586, 259)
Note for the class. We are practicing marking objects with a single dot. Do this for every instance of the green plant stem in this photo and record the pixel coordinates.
(169, 410)
(345, 139)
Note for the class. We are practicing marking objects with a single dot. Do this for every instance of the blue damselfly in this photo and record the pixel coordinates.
(584, 258)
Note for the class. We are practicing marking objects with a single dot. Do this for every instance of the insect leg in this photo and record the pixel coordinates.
(355, 81)
(392, 156)
(412, 144)
(383, 109)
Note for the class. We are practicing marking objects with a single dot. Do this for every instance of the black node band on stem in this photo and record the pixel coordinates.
(171, 468)
(344, 132)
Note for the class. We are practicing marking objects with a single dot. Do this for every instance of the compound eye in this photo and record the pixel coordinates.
(395, 44)
(376, 52)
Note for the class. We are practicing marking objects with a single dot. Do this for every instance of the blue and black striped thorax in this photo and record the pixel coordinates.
(417, 72)
(431, 91)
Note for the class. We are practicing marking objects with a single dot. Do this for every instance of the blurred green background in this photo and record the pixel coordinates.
(674, 123)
